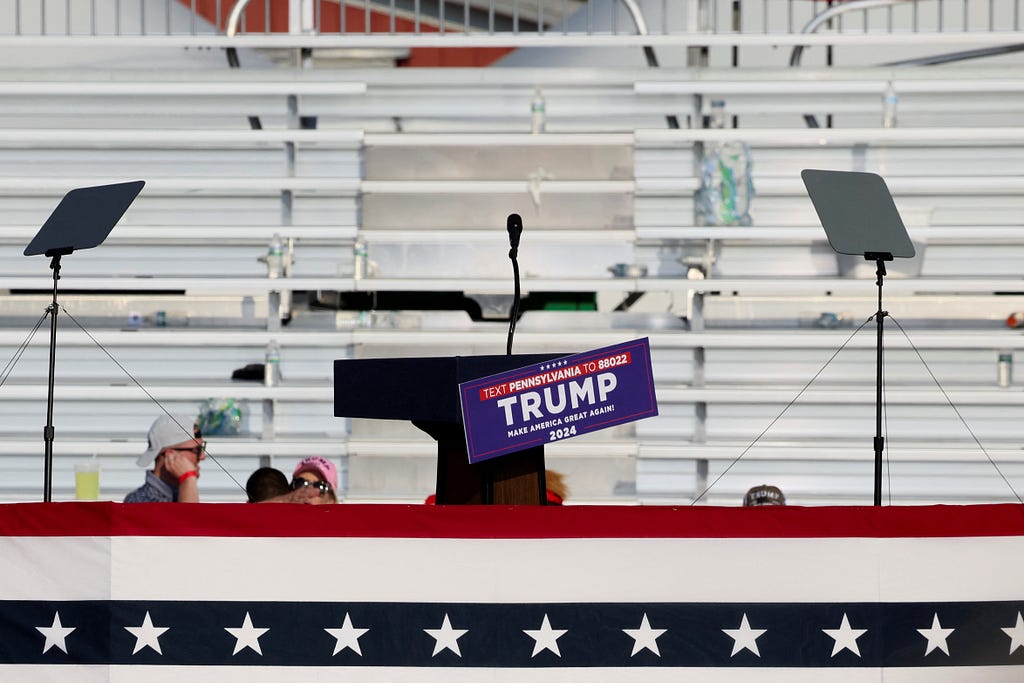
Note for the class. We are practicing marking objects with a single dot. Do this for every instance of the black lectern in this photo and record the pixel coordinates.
(425, 391)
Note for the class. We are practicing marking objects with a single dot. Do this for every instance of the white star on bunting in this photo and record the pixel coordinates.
(845, 637)
(545, 638)
(645, 637)
(1016, 634)
(744, 637)
(55, 634)
(247, 635)
(936, 636)
(347, 636)
(446, 637)
(147, 635)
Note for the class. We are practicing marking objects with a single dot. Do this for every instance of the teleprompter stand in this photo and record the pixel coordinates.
(82, 220)
(860, 218)
(425, 391)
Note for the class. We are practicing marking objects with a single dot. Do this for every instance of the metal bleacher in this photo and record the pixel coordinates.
(425, 163)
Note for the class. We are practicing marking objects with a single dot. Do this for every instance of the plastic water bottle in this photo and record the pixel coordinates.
(726, 184)
(889, 103)
(716, 119)
(360, 258)
(1005, 372)
(538, 112)
(272, 364)
(275, 257)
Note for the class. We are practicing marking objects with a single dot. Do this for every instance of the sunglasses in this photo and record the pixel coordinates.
(197, 450)
(303, 483)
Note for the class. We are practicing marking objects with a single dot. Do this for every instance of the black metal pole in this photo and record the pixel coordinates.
(48, 431)
(879, 439)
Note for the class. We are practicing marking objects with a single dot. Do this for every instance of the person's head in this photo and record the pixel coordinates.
(266, 483)
(764, 494)
(168, 439)
(557, 491)
(318, 472)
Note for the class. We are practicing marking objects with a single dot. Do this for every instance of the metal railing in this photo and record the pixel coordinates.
(386, 23)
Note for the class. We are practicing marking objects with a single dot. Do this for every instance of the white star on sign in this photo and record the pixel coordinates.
(845, 637)
(347, 636)
(147, 635)
(936, 636)
(545, 638)
(55, 634)
(744, 637)
(247, 635)
(446, 637)
(1016, 634)
(644, 637)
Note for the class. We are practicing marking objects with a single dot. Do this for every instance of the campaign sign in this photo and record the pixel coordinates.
(557, 399)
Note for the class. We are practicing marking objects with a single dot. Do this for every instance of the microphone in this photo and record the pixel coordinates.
(514, 225)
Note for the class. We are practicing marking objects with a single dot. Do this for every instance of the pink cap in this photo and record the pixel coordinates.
(322, 467)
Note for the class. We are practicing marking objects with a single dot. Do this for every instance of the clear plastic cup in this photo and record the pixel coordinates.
(87, 480)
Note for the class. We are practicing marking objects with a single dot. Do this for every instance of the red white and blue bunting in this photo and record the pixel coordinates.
(107, 591)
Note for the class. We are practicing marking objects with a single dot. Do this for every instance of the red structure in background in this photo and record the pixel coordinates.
(355, 22)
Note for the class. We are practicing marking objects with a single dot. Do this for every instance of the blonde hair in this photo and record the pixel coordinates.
(556, 484)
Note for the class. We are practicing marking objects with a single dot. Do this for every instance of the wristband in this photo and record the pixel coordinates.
(190, 473)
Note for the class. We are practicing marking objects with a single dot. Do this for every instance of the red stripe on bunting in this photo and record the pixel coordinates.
(443, 521)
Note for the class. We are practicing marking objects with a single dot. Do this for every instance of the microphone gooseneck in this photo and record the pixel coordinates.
(514, 225)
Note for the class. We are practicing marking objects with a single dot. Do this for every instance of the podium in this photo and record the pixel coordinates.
(425, 391)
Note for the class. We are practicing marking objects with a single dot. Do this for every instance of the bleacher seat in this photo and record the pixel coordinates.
(424, 164)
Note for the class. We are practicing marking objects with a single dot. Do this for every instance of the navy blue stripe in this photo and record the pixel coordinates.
(495, 638)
